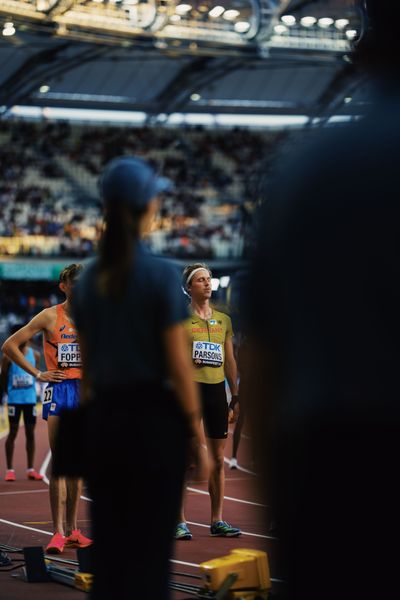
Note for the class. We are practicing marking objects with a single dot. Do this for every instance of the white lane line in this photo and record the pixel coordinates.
(239, 468)
(258, 535)
(25, 527)
(44, 466)
(43, 470)
(24, 492)
(181, 562)
(191, 489)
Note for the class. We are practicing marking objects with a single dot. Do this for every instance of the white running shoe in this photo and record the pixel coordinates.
(233, 463)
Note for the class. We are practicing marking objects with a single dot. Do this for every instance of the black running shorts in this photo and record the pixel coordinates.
(28, 410)
(215, 409)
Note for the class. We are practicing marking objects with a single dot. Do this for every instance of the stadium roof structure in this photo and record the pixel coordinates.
(160, 57)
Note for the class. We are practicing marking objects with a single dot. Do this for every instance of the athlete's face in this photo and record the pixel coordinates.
(200, 285)
(67, 287)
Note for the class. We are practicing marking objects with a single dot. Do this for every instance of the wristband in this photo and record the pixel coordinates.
(38, 374)
(234, 401)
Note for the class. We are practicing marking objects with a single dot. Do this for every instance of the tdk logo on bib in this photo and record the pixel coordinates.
(207, 354)
(68, 355)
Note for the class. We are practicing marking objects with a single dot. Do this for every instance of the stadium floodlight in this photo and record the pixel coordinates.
(281, 29)
(341, 23)
(288, 20)
(241, 26)
(195, 97)
(8, 29)
(325, 22)
(204, 26)
(351, 34)
(224, 281)
(216, 12)
(44, 89)
(231, 15)
(308, 21)
(214, 284)
(182, 9)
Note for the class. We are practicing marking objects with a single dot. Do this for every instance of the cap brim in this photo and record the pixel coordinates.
(162, 184)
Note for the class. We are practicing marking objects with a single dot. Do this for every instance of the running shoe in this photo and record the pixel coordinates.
(223, 529)
(56, 544)
(34, 475)
(233, 463)
(77, 540)
(5, 561)
(182, 532)
(10, 475)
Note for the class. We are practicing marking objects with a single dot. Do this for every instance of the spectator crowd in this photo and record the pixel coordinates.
(48, 186)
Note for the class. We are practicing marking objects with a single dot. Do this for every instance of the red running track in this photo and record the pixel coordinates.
(25, 521)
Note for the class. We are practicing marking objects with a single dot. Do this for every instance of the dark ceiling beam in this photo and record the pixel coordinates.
(192, 78)
(43, 66)
(346, 81)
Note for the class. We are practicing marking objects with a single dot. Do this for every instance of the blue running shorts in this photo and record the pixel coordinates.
(60, 396)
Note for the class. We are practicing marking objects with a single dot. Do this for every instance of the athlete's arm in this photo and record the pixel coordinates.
(231, 375)
(5, 365)
(230, 367)
(181, 372)
(11, 347)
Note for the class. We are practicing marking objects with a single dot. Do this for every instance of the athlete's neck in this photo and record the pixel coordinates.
(67, 310)
(202, 309)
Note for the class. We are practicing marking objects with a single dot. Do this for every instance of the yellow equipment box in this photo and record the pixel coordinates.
(250, 566)
(83, 581)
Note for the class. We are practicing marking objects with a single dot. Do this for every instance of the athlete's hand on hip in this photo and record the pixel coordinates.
(53, 376)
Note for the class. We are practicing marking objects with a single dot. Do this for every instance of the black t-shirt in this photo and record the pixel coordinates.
(124, 339)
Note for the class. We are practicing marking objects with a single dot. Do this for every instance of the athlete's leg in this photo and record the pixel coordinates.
(30, 444)
(74, 488)
(10, 442)
(216, 481)
(57, 487)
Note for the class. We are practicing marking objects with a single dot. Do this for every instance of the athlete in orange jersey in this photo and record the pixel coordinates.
(63, 363)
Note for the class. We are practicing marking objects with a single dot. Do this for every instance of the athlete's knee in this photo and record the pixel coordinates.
(218, 462)
(30, 433)
(12, 434)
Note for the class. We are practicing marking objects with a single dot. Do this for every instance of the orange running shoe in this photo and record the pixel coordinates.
(77, 540)
(10, 475)
(56, 544)
(32, 474)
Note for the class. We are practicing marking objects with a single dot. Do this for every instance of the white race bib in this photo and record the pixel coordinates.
(208, 354)
(22, 381)
(68, 355)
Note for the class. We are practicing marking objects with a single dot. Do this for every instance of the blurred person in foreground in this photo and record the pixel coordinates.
(63, 363)
(323, 315)
(143, 410)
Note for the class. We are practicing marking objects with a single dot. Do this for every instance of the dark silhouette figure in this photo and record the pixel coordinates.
(324, 322)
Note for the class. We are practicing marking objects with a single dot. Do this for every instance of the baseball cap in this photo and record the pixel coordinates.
(131, 180)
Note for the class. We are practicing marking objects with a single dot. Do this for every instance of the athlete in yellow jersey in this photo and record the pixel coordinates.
(62, 356)
(211, 349)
